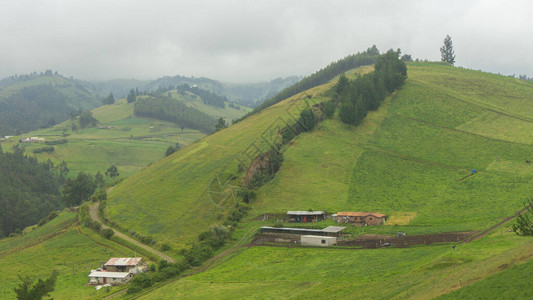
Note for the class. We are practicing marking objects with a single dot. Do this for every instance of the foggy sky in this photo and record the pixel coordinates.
(245, 41)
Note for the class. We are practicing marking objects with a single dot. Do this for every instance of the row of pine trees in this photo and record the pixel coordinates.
(366, 92)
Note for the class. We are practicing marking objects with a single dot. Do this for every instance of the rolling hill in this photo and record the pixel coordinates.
(123, 139)
(410, 159)
(29, 102)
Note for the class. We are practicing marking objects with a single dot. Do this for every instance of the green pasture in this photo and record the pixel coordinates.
(406, 159)
(57, 245)
(291, 273)
(514, 282)
(227, 113)
(171, 200)
(130, 143)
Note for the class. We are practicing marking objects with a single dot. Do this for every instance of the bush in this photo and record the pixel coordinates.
(44, 149)
(134, 289)
(107, 233)
(198, 254)
(141, 280)
(52, 215)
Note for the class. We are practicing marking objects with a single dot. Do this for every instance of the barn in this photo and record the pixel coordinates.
(316, 240)
(361, 218)
(304, 216)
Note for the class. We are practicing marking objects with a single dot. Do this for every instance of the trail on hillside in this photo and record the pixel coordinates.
(494, 228)
(93, 212)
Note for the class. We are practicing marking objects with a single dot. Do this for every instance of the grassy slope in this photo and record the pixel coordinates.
(131, 144)
(406, 159)
(293, 273)
(58, 245)
(228, 113)
(379, 166)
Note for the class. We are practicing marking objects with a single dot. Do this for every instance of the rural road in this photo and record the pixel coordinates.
(93, 212)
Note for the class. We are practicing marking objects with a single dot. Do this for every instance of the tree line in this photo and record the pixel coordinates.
(322, 76)
(167, 109)
(30, 191)
(356, 97)
(208, 97)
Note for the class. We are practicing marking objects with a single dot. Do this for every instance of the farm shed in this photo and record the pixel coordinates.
(123, 264)
(361, 218)
(316, 240)
(113, 278)
(328, 231)
(305, 216)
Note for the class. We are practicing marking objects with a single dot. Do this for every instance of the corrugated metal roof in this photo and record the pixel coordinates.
(333, 229)
(287, 228)
(359, 214)
(327, 229)
(109, 274)
(320, 237)
(305, 213)
(123, 261)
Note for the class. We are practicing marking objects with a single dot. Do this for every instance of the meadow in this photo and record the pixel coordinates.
(289, 273)
(58, 245)
(407, 159)
(130, 143)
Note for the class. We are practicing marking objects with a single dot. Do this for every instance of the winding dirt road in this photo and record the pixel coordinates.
(93, 212)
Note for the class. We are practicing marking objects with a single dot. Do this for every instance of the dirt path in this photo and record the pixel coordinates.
(93, 212)
(494, 228)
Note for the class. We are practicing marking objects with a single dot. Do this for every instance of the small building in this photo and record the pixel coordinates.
(315, 240)
(113, 278)
(361, 218)
(124, 264)
(305, 216)
(328, 231)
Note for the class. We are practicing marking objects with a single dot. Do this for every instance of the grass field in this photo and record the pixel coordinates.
(58, 245)
(294, 273)
(131, 143)
(407, 158)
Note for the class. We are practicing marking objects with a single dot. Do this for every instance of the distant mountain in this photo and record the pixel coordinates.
(29, 102)
(247, 94)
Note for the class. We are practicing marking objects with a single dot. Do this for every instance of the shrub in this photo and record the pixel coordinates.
(141, 280)
(134, 289)
(107, 233)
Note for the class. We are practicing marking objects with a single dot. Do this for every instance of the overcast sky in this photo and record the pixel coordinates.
(256, 40)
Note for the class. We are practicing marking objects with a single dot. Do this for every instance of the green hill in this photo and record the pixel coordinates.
(58, 245)
(29, 102)
(410, 159)
(406, 159)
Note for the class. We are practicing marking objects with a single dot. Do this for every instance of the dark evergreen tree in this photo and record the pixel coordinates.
(77, 190)
(220, 124)
(446, 51)
(26, 290)
(110, 99)
(87, 119)
(112, 172)
(132, 96)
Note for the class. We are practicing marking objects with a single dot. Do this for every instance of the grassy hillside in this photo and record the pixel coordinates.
(414, 273)
(34, 101)
(58, 245)
(131, 143)
(406, 159)
(410, 159)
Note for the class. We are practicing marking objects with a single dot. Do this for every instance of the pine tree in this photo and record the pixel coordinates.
(446, 51)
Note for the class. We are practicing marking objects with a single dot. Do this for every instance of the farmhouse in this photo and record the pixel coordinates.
(133, 264)
(360, 218)
(113, 278)
(117, 271)
(305, 216)
(304, 236)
